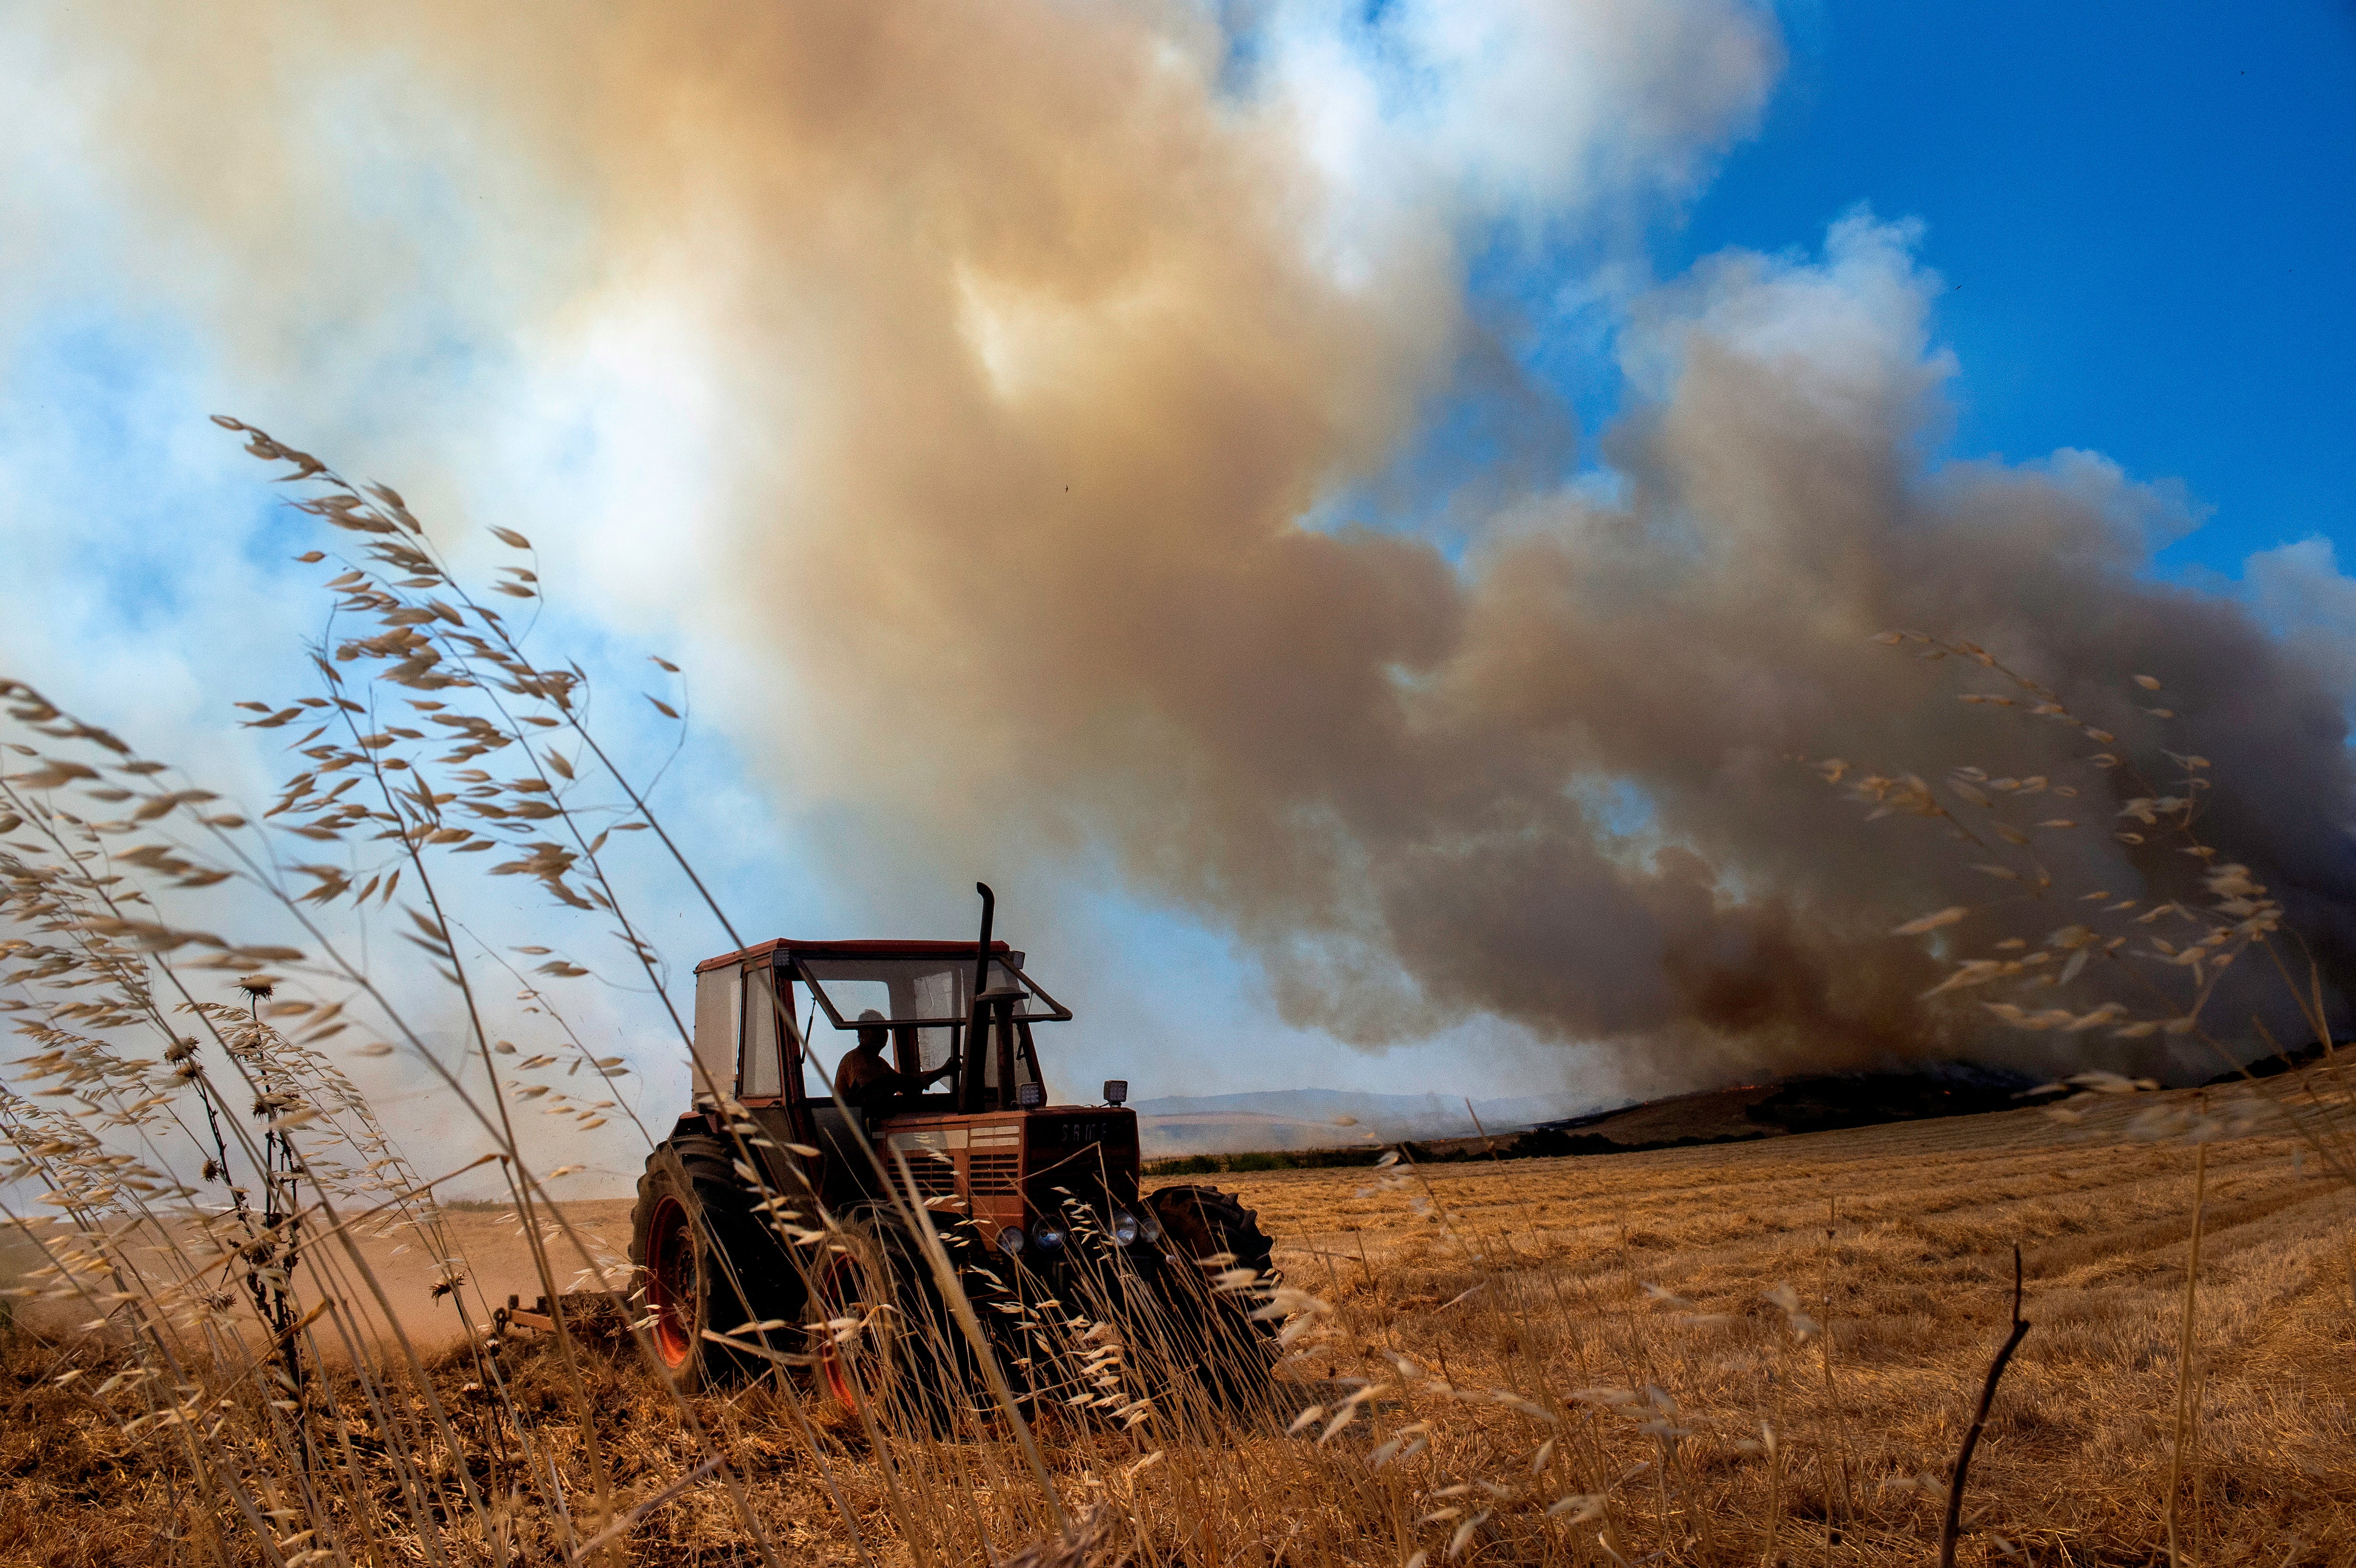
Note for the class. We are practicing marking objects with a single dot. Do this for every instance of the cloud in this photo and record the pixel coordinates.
(2299, 590)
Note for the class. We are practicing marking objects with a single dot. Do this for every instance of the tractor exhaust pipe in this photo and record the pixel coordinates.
(969, 1076)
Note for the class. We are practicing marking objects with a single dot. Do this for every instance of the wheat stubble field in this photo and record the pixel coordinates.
(1897, 1239)
(1746, 1353)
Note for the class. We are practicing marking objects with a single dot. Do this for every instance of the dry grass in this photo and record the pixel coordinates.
(1738, 1354)
(1898, 1239)
(1910, 1289)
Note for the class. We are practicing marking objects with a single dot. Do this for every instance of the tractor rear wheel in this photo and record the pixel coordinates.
(709, 1265)
(1207, 1234)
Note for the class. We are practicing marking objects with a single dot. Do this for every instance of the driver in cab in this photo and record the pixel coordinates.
(873, 1085)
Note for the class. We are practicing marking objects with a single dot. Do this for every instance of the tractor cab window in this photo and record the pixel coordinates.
(719, 1025)
(923, 991)
(741, 1043)
(925, 1002)
(761, 1071)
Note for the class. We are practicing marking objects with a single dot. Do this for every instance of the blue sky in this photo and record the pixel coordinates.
(2139, 218)
(2145, 217)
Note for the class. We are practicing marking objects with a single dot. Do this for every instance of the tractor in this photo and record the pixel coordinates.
(782, 1228)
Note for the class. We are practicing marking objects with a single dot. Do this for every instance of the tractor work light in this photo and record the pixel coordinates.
(1046, 1235)
(1010, 1240)
(1116, 1091)
(1124, 1227)
(1029, 1096)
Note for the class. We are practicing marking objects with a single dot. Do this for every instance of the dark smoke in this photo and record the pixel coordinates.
(1398, 778)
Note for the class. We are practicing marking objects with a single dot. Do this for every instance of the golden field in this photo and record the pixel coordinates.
(1898, 1241)
(1614, 1331)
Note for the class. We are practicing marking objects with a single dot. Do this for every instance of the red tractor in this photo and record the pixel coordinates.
(780, 1223)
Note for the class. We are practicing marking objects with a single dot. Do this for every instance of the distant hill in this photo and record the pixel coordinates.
(1287, 1119)
(1814, 1104)
(2275, 1065)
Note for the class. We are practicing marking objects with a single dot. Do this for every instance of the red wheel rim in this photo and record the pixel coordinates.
(670, 1282)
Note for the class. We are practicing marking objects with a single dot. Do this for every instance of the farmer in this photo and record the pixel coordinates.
(867, 1081)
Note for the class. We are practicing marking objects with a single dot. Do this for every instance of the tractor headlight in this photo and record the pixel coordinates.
(1148, 1225)
(1046, 1235)
(1010, 1240)
(1124, 1227)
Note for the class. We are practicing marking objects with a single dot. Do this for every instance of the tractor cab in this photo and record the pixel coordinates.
(985, 1146)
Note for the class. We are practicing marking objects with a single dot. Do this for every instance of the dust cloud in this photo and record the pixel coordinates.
(1039, 346)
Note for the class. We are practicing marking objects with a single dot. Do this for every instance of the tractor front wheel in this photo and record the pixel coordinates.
(884, 1341)
(1213, 1239)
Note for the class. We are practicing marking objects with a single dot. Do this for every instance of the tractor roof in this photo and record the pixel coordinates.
(786, 947)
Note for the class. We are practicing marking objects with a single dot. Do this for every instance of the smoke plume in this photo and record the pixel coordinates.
(1033, 344)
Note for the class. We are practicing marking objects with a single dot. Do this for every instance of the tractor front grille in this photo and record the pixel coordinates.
(936, 1178)
(993, 1171)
